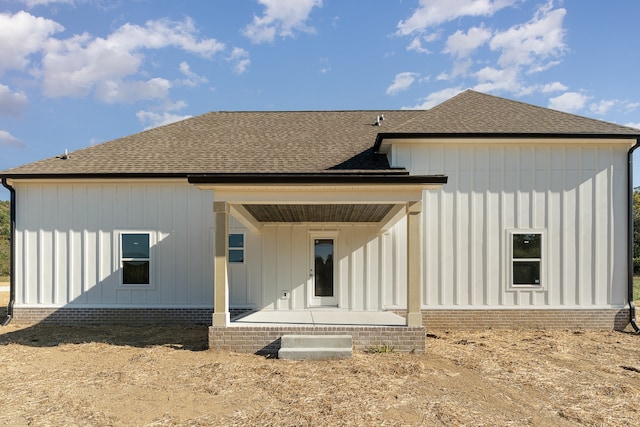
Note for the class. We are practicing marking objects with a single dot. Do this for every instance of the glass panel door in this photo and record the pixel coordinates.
(322, 273)
(323, 260)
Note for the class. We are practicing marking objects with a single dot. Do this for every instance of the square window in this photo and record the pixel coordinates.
(527, 245)
(236, 255)
(526, 272)
(135, 272)
(236, 240)
(135, 246)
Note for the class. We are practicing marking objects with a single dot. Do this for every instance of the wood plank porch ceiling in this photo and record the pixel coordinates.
(319, 213)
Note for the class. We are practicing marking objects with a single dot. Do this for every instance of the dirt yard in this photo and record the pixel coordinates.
(100, 376)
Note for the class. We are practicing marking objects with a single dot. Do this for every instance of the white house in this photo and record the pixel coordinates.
(481, 212)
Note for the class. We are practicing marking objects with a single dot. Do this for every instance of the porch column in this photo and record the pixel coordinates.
(221, 279)
(414, 262)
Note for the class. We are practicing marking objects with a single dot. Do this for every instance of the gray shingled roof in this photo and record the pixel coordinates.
(306, 141)
(473, 112)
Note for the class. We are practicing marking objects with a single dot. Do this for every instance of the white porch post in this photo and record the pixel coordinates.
(414, 262)
(221, 279)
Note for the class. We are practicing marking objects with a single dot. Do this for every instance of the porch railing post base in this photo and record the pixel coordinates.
(414, 319)
(221, 319)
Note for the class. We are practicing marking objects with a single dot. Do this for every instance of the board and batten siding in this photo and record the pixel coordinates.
(67, 238)
(575, 193)
(286, 262)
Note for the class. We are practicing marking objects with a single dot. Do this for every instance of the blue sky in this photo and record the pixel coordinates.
(79, 72)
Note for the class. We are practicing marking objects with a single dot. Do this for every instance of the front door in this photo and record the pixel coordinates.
(322, 273)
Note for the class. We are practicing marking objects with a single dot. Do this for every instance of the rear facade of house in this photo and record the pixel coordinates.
(481, 212)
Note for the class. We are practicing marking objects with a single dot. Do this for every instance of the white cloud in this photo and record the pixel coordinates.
(553, 87)
(434, 12)
(416, 45)
(127, 92)
(630, 106)
(192, 79)
(162, 117)
(402, 81)
(282, 18)
(8, 140)
(633, 125)
(241, 59)
(80, 64)
(501, 80)
(461, 45)
(603, 106)
(12, 103)
(154, 120)
(436, 98)
(569, 102)
(22, 35)
(34, 3)
(532, 43)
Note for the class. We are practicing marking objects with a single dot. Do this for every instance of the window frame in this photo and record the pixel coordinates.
(541, 259)
(121, 259)
(242, 248)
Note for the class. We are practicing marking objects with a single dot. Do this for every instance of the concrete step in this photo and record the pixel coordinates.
(310, 353)
(315, 347)
(315, 341)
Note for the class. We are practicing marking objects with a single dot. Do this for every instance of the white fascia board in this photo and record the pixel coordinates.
(272, 194)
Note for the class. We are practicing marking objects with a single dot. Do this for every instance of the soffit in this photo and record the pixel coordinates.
(326, 213)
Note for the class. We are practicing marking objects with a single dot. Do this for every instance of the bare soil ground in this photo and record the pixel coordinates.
(159, 376)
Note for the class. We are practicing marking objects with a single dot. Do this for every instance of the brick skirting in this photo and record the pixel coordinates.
(265, 340)
(606, 319)
(112, 316)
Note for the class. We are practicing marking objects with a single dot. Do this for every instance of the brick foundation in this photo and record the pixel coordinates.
(607, 319)
(265, 340)
(112, 316)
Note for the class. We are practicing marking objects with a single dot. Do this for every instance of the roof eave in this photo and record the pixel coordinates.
(101, 175)
(316, 179)
(404, 135)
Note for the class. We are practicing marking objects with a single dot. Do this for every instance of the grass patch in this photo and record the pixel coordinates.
(636, 288)
(6, 279)
(384, 348)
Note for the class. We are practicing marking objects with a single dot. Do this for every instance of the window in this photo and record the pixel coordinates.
(134, 257)
(526, 258)
(236, 248)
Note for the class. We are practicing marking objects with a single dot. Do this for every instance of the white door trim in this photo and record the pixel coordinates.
(312, 299)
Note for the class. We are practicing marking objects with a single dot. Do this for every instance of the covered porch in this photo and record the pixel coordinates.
(379, 201)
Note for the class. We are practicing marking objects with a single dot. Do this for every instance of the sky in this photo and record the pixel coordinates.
(74, 73)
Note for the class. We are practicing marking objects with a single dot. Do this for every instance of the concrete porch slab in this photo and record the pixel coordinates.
(320, 317)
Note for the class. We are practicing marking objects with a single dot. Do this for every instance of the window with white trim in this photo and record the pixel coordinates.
(526, 258)
(236, 248)
(135, 259)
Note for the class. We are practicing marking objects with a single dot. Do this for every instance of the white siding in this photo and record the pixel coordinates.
(286, 263)
(67, 238)
(575, 193)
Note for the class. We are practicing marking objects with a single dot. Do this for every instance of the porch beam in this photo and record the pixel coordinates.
(221, 315)
(395, 214)
(244, 216)
(414, 300)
